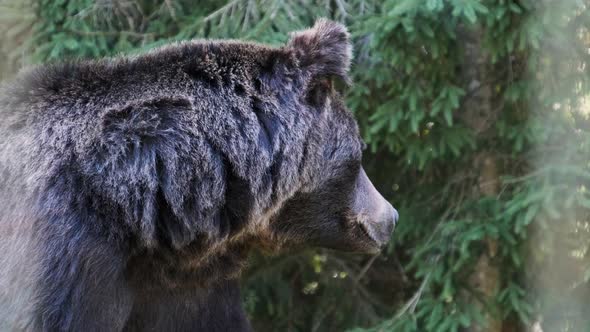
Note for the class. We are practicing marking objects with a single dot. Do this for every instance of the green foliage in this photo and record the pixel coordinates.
(413, 99)
(16, 24)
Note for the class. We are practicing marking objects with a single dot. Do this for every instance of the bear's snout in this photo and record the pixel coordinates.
(377, 217)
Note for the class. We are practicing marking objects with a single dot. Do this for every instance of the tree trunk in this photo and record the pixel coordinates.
(479, 114)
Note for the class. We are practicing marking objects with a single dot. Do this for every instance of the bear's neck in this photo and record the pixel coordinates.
(191, 289)
(198, 265)
(217, 307)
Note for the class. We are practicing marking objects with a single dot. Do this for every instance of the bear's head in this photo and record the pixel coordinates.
(335, 204)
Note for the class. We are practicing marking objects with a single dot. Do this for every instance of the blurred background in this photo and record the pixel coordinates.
(476, 114)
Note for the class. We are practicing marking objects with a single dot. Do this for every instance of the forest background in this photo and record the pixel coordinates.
(476, 115)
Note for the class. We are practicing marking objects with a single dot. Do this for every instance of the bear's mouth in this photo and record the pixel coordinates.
(375, 245)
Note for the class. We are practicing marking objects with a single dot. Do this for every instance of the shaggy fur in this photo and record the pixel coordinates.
(132, 188)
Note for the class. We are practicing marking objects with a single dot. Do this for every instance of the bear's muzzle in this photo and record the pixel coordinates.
(376, 215)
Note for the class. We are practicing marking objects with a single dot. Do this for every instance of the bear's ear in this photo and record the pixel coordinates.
(324, 49)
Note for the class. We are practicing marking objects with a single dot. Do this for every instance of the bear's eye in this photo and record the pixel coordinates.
(318, 92)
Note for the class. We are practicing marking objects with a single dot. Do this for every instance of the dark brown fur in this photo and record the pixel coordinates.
(141, 183)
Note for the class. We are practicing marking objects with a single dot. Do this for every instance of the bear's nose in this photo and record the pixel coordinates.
(395, 215)
(387, 223)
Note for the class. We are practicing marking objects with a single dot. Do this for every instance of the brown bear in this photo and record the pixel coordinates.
(133, 188)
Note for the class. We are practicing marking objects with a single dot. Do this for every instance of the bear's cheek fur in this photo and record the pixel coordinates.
(322, 217)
